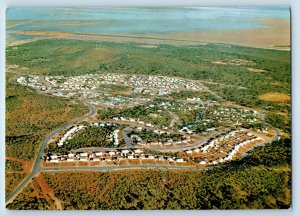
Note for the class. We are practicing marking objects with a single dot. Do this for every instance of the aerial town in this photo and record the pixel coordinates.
(148, 108)
(190, 131)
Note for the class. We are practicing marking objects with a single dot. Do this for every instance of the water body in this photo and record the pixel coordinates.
(141, 20)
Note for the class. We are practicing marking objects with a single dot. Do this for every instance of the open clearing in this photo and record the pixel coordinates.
(256, 70)
(275, 97)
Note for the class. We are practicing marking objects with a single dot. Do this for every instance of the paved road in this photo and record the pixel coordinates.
(152, 166)
(123, 167)
(37, 163)
(196, 144)
(126, 138)
(275, 138)
(175, 119)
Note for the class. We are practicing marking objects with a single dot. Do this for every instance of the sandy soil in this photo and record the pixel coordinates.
(275, 35)
(275, 97)
(256, 70)
(26, 165)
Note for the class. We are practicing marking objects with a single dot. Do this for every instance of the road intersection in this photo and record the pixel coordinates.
(37, 165)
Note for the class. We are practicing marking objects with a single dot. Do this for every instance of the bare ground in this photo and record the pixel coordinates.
(275, 97)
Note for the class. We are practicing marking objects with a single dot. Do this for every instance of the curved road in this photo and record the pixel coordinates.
(196, 144)
(122, 167)
(148, 166)
(37, 163)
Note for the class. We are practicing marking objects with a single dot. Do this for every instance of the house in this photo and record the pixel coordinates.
(111, 153)
(70, 159)
(170, 159)
(197, 150)
(151, 157)
(99, 154)
(180, 160)
(71, 155)
(137, 151)
(125, 151)
(54, 160)
(84, 154)
(130, 157)
(53, 157)
(188, 151)
(139, 128)
(161, 158)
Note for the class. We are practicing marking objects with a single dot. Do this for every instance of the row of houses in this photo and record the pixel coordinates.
(227, 145)
(236, 148)
(168, 83)
(132, 120)
(108, 156)
(231, 154)
(157, 85)
(71, 132)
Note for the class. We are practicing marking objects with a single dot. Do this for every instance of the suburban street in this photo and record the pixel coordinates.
(126, 138)
(37, 168)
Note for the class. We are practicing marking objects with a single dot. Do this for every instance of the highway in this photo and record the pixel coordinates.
(37, 163)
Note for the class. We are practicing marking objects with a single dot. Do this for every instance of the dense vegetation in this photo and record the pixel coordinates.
(92, 136)
(113, 88)
(12, 180)
(30, 116)
(72, 57)
(141, 112)
(13, 165)
(225, 69)
(27, 200)
(262, 181)
(151, 136)
(184, 94)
